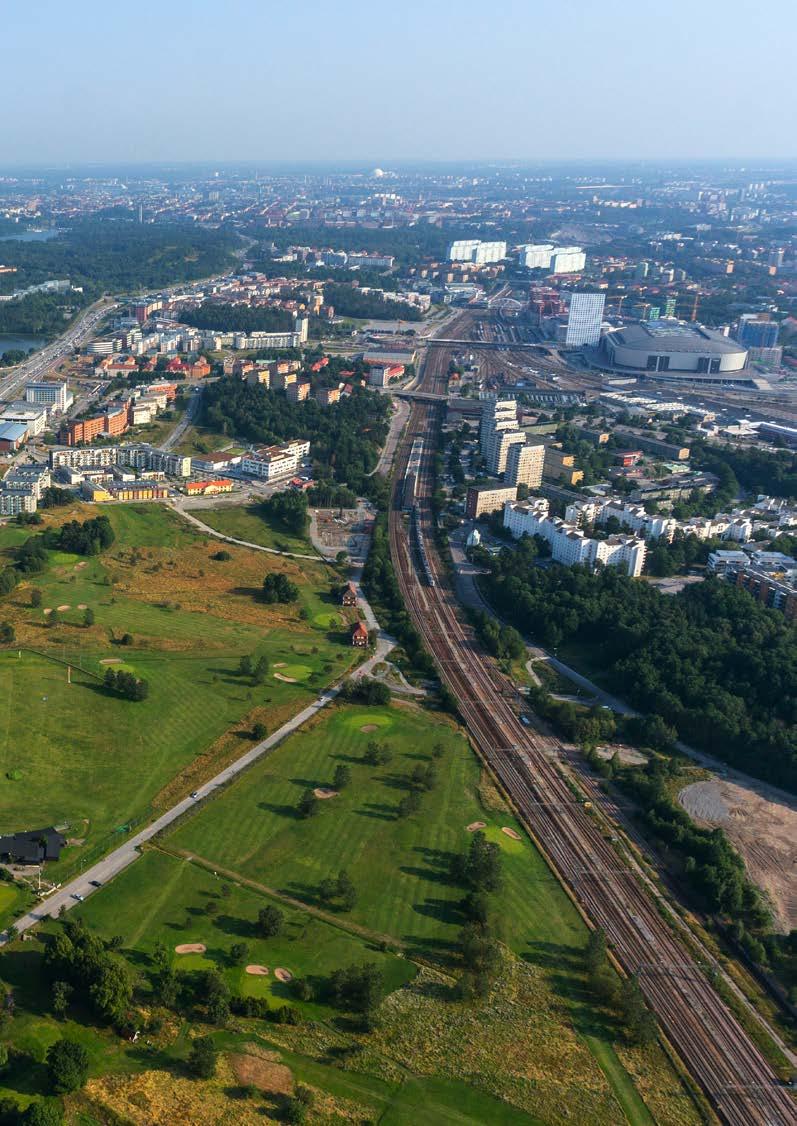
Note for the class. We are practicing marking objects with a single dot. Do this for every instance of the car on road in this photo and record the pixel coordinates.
(195, 795)
(76, 895)
(95, 883)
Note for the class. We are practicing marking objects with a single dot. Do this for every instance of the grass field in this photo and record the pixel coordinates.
(95, 762)
(249, 522)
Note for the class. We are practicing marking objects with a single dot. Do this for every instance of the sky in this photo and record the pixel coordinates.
(370, 80)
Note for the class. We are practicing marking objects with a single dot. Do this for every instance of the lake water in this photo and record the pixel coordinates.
(7, 343)
(29, 236)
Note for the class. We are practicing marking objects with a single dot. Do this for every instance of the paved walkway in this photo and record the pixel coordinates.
(189, 414)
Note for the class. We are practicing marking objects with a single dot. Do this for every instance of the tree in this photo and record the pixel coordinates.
(239, 952)
(67, 1066)
(53, 618)
(35, 597)
(347, 893)
(480, 952)
(7, 634)
(596, 949)
(270, 921)
(308, 804)
(202, 1058)
(61, 993)
(259, 731)
(3, 1056)
(112, 989)
(245, 666)
(341, 777)
(43, 1114)
(217, 997)
(277, 587)
(260, 671)
(88, 617)
(409, 804)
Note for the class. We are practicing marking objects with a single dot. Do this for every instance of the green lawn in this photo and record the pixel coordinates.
(249, 522)
(93, 761)
(253, 829)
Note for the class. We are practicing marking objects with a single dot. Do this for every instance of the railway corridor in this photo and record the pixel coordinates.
(731, 1070)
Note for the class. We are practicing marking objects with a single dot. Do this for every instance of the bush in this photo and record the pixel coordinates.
(277, 587)
(365, 691)
(67, 1066)
(270, 921)
(308, 804)
(222, 556)
(202, 1058)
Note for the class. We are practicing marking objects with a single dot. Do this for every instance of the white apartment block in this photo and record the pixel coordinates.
(274, 462)
(136, 456)
(554, 259)
(524, 465)
(499, 431)
(476, 251)
(568, 543)
(737, 527)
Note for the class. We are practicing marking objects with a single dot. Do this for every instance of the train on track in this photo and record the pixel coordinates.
(427, 575)
(411, 475)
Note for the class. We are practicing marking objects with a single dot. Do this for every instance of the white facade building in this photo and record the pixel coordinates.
(476, 251)
(499, 431)
(554, 259)
(51, 393)
(524, 465)
(568, 543)
(274, 462)
(584, 319)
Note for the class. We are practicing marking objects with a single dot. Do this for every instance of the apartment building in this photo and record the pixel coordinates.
(524, 465)
(487, 498)
(52, 394)
(273, 462)
(560, 466)
(568, 543)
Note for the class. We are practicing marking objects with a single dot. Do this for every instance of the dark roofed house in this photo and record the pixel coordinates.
(348, 595)
(31, 846)
(359, 636)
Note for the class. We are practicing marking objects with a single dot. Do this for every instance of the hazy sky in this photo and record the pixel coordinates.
(140, 80)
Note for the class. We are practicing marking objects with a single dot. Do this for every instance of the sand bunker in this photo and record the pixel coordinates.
(280, 664)
(475, 825)
(79, 565)
(82, 606)
(65, 606)
(367, 728)
(325, 792)
(285, 679)
(257, 971)
(47, 610)
(283, 975)
(511, 833)
(190, 948)
(111, 661)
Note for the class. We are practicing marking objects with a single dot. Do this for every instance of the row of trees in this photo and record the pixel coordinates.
(712, 662)
(126, 684)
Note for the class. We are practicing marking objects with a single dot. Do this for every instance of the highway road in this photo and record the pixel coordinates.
(189, 415)
(729, 1067)
(43, 361)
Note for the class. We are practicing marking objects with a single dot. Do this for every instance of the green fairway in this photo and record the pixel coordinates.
(253, 828)
(251, 523)
(94, 762)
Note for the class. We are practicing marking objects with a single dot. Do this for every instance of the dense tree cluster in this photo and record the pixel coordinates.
(288, 509)
(756, 470)
(89, 538)
(229, 317)
(365, 691)
(345, 439)
(351, 301)
(77, 956)
(711, 661)
(126, 684)
(277, 587)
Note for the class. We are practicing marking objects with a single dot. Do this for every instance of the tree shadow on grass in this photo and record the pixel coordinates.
(395, 781)
(25, 1075)
(441, 909)
(441, 950)
(553, 956)
(353, 760)
(378, 810)
(305, 783)
(431, 875)
(234, 924)
(281, 810)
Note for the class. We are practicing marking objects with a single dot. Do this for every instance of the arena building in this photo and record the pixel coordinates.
(677, 350)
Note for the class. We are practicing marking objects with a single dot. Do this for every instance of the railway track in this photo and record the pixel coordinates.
(731, 1070)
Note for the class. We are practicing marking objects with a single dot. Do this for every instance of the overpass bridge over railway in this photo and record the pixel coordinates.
(493, 345)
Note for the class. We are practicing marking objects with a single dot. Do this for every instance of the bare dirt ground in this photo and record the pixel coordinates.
(333, 530)
(626, 755)
(763, 830)
(262, 1072)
